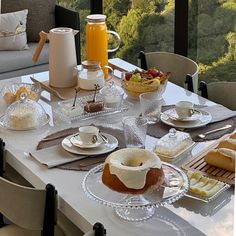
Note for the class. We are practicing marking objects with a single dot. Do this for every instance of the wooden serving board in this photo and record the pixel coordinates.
(198, 164)
(62, 93)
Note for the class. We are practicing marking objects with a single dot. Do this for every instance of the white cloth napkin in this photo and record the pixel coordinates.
(54, 156)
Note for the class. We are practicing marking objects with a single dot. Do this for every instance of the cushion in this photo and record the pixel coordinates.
(15, 60)
(13, 30)
(13, 230)
(40, 16)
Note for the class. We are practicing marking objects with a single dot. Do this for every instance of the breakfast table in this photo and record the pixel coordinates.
(186, 216)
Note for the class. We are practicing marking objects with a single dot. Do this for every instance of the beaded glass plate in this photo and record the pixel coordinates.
(71, 114)
(139, 207)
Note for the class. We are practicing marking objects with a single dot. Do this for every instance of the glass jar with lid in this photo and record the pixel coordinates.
(112, 95)
(24, 114)
(172, 145)
(91, 74)
(97, 39)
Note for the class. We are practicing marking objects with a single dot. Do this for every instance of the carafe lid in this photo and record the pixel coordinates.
(61, 30)
(96, 18)
(92, 65)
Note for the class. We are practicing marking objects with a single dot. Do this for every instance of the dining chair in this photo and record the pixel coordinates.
(222, 92)
(184, 71)
(31, 211)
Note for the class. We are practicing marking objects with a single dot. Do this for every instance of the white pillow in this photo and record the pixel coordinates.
(13, 30)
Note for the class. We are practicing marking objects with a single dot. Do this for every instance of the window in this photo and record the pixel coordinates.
(149, 25)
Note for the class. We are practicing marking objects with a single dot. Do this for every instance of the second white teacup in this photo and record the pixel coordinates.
(184, 109)
(88, 134)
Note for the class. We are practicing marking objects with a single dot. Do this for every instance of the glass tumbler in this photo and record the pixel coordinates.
(135, 129)
(151, 103)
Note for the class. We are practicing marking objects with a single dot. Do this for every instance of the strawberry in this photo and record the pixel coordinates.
(147, 76)
(153, 72)
(128, 76)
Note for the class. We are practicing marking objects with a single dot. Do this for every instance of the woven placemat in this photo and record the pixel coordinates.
(220, 117)
(90, 161)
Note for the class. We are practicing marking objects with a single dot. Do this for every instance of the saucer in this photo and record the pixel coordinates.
(76, 141)
(204, 119)
(174, 116)
(101, 149)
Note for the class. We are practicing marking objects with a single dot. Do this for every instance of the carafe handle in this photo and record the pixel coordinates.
(42, 41)
(110, 74)
(119, 41)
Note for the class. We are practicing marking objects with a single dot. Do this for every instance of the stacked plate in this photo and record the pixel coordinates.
(74, 144)
(198, 119)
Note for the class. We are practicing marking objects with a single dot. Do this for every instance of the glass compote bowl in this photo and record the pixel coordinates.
(134, 89)
(137, 207)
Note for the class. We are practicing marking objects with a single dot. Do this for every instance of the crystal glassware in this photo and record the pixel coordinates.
(135, 129)
(24, 114)
(151, 104)
(134, 207)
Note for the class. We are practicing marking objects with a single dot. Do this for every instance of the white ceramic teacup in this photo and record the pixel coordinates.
(184, 109)
(88, 134)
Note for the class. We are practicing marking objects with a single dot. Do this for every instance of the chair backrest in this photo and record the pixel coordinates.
(181, 67)
(29, 208)
(222, 92)
(22, 205)
(25, 206)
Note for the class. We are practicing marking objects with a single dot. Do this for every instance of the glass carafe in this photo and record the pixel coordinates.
(92, 74)
(97, 40)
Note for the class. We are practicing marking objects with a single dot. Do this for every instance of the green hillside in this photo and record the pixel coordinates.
(148, 25)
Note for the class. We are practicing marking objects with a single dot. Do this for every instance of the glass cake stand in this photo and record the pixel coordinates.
(134, 207)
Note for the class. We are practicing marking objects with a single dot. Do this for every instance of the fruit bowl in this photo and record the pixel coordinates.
(12, 92)
(140, 81)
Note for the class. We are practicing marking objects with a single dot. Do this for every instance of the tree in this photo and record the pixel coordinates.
(115, 9)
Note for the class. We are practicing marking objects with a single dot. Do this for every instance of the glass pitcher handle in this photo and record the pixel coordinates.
(119, 41)
(110, 74)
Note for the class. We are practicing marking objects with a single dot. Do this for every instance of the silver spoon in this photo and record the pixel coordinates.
(74, 102)
(213, 131)
(103, 137)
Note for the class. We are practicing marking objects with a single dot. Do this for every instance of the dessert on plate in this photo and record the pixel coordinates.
(24, 114)
(133, 171)
(93, 105)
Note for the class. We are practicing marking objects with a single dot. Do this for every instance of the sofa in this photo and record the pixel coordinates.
(42, 15)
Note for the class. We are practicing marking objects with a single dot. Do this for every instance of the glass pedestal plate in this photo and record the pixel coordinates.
(134, 207)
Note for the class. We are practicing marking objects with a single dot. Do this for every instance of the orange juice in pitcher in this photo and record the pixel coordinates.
(97, 39)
